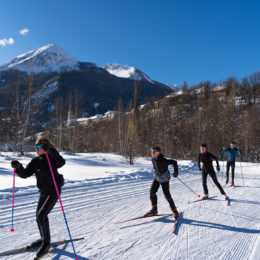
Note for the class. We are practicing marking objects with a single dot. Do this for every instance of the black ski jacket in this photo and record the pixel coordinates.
(206, 159)
(161, 164)
(40, 167)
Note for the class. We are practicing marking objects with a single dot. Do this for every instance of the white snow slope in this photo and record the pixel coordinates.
(49, 58)
(48, 88)
(125, 71)
(101, 189)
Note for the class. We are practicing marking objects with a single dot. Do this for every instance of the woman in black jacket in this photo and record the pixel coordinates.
(161, 178)
(48, 195)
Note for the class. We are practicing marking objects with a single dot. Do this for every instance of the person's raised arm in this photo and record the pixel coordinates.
(224, 150)
(21, 171)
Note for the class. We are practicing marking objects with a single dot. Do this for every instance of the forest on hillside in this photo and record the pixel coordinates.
(179, 123)
(210, 113)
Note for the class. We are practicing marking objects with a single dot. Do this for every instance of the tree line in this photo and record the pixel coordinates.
(179, 123)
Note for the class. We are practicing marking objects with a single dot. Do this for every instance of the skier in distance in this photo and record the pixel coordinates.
(232, 152)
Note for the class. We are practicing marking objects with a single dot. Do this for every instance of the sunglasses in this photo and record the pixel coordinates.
(154, 152)
(38, 146)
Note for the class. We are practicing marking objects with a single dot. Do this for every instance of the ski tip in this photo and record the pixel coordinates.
(198, 195)
(12, 230)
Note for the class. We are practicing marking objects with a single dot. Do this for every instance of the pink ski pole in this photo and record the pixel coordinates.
(55, 184)
(12, 227)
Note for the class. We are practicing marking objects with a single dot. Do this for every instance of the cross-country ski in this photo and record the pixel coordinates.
(142, 217)
(202, 199)
(32, 248)
(176, 221)
(54, 245)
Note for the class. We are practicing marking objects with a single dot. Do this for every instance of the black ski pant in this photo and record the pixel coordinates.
(166, 191)
(213, 175)
(45, 204)
(232, 165)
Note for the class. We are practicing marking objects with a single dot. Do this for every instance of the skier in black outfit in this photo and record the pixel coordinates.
(206, 158)
(48, 195)
(161, 177)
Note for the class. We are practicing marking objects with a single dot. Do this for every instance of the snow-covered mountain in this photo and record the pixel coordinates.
(94, 84)
(49, 58)
(125, 71)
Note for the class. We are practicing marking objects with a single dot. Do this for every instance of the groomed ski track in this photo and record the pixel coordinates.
(207, 229)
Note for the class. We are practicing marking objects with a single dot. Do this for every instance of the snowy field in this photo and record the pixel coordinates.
(101, 189)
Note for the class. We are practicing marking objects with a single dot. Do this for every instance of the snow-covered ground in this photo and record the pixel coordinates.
(101, 189)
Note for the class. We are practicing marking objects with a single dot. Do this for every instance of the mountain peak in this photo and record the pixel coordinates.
(125, 71)
(49, 58)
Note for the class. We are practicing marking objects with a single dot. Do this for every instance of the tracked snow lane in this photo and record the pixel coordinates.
(207, 230)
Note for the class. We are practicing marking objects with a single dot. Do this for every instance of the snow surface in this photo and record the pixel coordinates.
(175, 94)
(125, 71)
(49, 58)
(48, 88)
(219, 87)
(101, 189)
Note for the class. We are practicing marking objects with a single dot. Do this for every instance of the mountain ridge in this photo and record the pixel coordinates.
(52, 58)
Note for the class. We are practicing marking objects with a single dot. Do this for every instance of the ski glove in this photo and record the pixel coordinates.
(15, 164)
(218, 168)
(175, 174)
(199, 169)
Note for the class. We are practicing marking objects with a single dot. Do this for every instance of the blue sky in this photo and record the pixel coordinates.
(169, 40)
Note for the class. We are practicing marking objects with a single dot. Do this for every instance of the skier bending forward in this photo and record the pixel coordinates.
(48, 195)
(161, 177)
(206, 158)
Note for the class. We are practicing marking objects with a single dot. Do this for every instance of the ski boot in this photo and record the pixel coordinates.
(226, 198)
(45, 246)
(35, 244)
(176, 214)
(225, 184)
(152, 212)
(205, 197)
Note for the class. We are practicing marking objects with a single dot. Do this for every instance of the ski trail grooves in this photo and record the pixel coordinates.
(207, 230)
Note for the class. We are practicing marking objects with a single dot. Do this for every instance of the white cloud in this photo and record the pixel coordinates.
(5, 41)
(24, 31)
